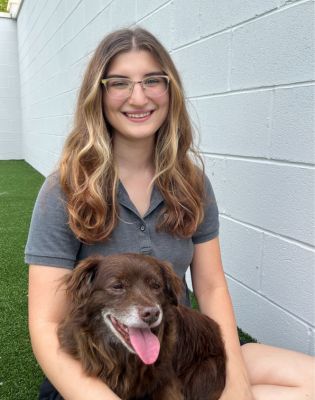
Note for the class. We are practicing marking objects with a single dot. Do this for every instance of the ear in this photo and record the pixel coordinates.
(79, 283)
(173, 284)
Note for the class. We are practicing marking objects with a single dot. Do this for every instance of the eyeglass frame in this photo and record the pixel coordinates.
(133, 83)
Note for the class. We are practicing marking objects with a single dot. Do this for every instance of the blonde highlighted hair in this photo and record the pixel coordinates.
(87, 172)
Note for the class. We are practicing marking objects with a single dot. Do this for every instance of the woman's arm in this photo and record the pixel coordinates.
(212, 294)
(47, 306)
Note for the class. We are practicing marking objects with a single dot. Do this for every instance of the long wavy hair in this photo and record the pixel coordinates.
(87, 171)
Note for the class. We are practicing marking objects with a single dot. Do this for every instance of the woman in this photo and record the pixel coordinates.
(126, 182)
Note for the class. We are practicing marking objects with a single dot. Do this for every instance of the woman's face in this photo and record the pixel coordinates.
(138, 116)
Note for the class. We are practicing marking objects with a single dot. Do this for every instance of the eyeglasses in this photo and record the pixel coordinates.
(122, 88)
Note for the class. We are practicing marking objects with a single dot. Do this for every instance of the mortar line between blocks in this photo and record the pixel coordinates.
(240, 24)
(303, 245)
(260, 160)
(253, 90)
(255, 292)
(154, 11)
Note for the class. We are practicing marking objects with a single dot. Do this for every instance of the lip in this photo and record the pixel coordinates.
(138, 116)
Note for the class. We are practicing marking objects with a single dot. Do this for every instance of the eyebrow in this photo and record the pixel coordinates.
(154, 73)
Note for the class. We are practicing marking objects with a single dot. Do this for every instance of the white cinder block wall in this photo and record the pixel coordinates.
(247, 68)
(10, 112)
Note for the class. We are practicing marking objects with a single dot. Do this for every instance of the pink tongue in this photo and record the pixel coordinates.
(145, 343)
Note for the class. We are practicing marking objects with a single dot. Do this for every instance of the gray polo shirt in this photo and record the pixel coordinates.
(51, 242)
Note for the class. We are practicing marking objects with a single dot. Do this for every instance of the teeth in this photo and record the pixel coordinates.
(138, 115)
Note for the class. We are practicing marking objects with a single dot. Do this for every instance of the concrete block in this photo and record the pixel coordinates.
(10, 137)
(7, 155)
(10, 92)
(67, 55)
(38, 34)
(204, 65)
(215, 169)
(52, 142)
(236, 123)
(241, 252)
(93, 8)
(60, 15)
(186, 22)
(40, 159)
(100, 26)
(275, 49)
(293, 132)
(7, 25)
(10, 150)
(293, 267)
(78, 48)
(71, 5)
(160, 24)
(10, 126)
(4, 84)
(8, 70)
(145, 7)
(267, 322)
(278, 198)
(123, 13)
(24, 27)
(78, 19)
(9, 57)
(9, 108)
(7, 38)
(73, 24)
(54, 23)
(222, 14)
(72, 77)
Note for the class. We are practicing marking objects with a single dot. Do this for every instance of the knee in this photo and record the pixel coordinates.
(250, 351)
(308, 376)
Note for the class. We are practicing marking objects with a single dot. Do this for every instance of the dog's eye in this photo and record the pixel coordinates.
(155, 285)
(118, 286)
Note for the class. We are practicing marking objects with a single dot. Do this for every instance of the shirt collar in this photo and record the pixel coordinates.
(124, 199)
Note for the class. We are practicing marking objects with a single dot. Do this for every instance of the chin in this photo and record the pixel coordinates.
(137, 134)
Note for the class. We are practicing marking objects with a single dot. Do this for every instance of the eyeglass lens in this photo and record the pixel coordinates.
(122, 87)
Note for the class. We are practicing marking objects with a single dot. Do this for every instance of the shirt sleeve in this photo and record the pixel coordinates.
(50, 240)
(209, 228)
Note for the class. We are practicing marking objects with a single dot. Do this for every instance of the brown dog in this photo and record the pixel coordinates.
(125, 326)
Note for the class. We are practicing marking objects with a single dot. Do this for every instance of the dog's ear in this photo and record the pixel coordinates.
(79, 283)
(173, 284)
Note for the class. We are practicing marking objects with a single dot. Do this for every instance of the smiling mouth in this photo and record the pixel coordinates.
(140, 341)
(121, 331)
(138, 116)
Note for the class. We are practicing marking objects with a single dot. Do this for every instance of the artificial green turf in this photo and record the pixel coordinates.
(20, 375)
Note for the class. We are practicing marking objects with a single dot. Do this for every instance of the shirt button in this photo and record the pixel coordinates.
(142, 228)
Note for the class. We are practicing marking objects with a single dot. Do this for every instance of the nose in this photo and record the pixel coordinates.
(149, 315)
(138, 96)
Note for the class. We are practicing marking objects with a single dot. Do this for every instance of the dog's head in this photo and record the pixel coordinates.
(130, 292)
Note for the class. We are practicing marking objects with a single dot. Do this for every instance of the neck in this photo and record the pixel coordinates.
(133, 156)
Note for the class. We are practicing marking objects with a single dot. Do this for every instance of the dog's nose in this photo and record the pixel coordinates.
(149, 314)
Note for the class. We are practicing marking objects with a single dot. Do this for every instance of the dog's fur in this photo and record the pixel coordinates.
(141, 291)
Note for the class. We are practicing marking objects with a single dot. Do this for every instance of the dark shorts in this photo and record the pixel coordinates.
(48, 392)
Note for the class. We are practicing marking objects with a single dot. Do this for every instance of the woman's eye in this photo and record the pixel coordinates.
(119, 84)
(152, 81)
